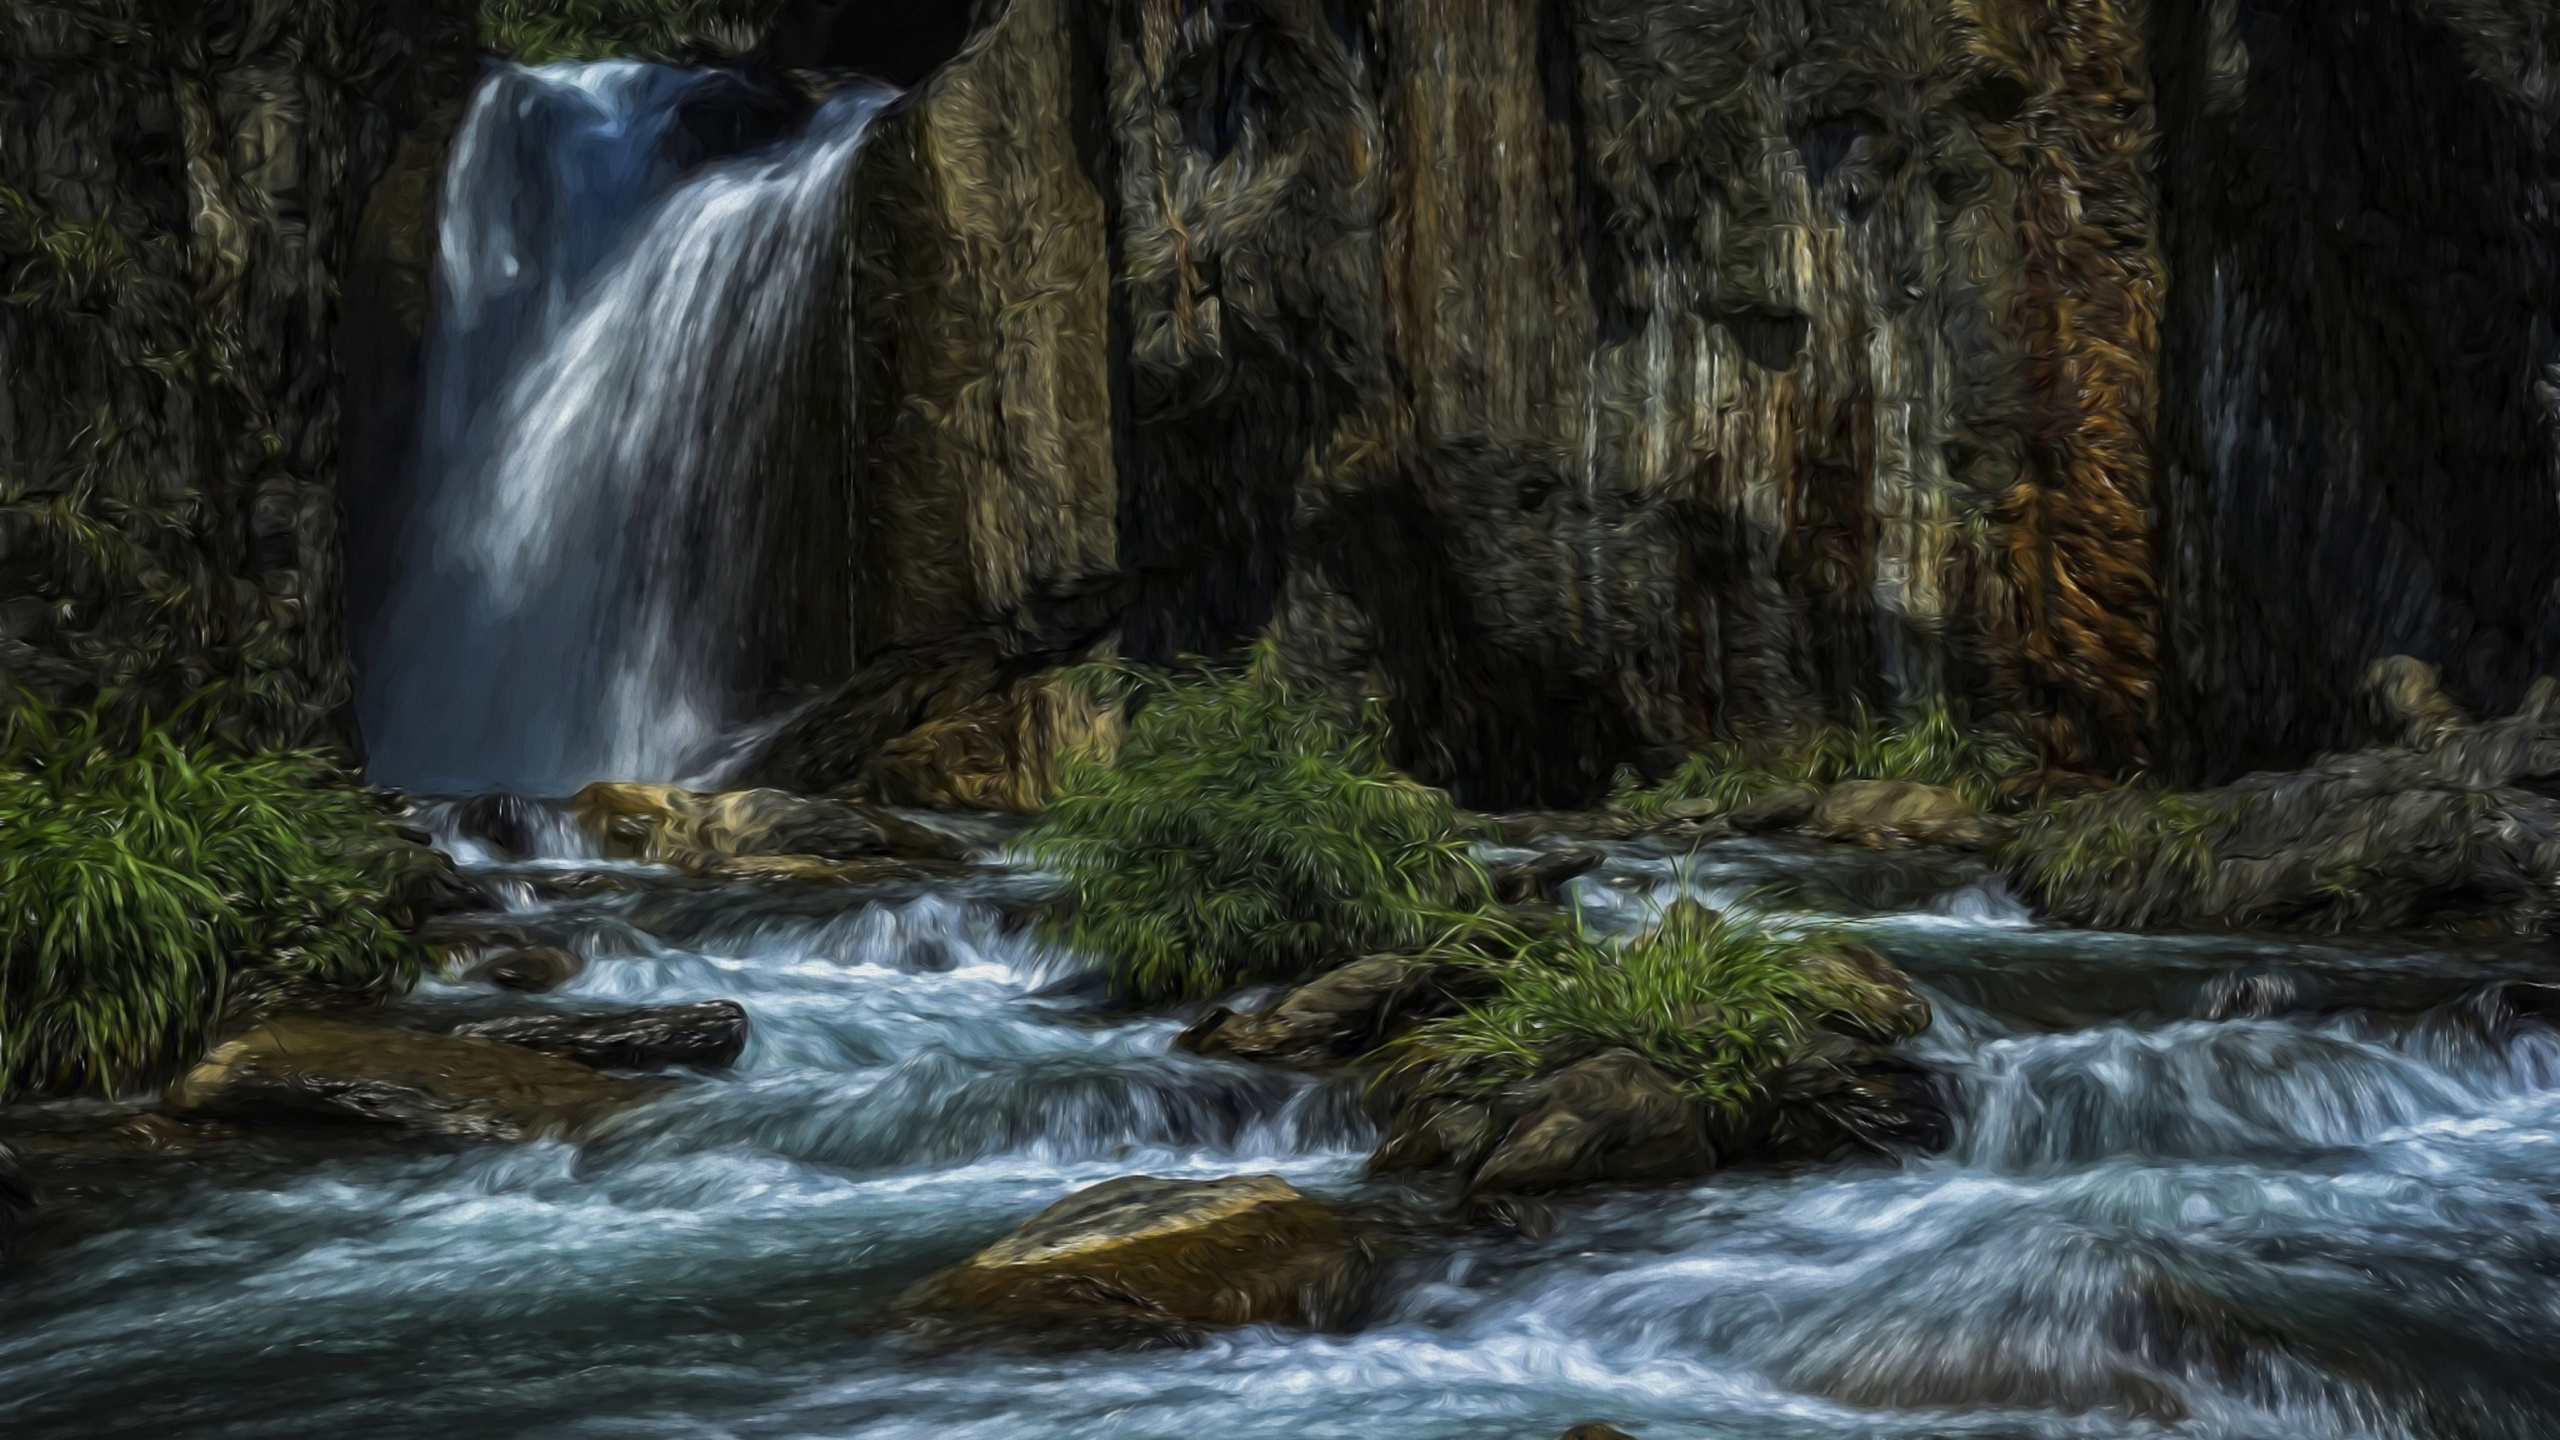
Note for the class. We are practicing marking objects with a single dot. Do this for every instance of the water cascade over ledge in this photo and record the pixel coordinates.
(605, 397)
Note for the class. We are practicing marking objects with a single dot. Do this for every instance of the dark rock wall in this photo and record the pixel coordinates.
(2358, 447)
(1584, 378)
(179, 182)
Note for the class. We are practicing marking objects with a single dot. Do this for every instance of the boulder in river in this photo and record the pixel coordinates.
(698, 831)
(533, 969)
(1888, 813)
(707, 1036)
(1533, 881)
(317, 1067)
(1596, 1430)
(1333, 1017)
(1145, 1255)
(1611, 1117)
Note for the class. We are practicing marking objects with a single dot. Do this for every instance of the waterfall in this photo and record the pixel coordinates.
(604, 396)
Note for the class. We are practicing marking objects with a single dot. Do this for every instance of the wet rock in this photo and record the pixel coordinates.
(698, 831)
(1152, 1255)
(18, 1199)
(1838, 1094)
(1885, 813)
(1596, 1430)
(1337, 1015)
(507, 826)
(1880, 1004)
(1611, 1117)
(1778, 810)
(705, 1036)
(1534, 881)
(533, 969)
(312, 1067)
(1436, 1132)
(831, 872)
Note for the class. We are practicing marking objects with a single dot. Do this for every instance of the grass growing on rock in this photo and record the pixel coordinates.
(1713, 1001)
(1929, 747)
(2122, 859)
(148, 888)
(1246, 831)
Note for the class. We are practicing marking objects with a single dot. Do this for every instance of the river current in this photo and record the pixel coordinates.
(2207, 1187)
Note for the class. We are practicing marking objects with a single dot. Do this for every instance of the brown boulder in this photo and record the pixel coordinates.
(1886, 813)
(307, 1067)
(1153, 1255)
(1790, 805)
(707, 1036)
(1337, 1015)
(1533, 881)
(1596, 1430)
(698, 831)
(1611, 1117)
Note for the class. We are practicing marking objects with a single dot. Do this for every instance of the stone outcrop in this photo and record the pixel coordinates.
(1885, 813)
(2455, 822)
(314, 1068)
(1149, 1256)
(709, 1035)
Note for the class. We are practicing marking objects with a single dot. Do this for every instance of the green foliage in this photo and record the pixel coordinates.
(1247, 831)
(2131, 857)
(147, 888)
(1929, 747)
(541, 31)
(1713, 1001)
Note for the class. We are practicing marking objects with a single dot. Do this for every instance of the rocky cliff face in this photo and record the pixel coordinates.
(179, 182)
(1584, 377)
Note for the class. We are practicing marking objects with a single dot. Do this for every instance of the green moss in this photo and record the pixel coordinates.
(1248, 831)
(1713, 1001)
(1929, 747)
(541, 31)
(148, 888)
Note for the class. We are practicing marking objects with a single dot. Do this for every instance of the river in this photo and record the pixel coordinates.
(2210, 1187)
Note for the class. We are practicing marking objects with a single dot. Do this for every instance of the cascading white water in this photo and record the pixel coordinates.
(587, 554)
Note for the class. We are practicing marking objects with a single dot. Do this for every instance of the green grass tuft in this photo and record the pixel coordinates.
(1713, 1001)
(1248, 831)
(147, 889)
(2125, 858)
(1929, 747)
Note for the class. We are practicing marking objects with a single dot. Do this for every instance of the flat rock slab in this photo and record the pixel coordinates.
(707, 1036)
(314, 1067)
(1154, 1255)
(1330, 1018)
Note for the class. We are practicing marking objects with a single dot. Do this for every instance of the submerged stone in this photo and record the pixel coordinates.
(533, 969)
(1153, 1255)
(313, 1067)
(707, 1036)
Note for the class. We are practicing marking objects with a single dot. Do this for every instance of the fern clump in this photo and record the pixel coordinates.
(147, 888)
(1248, 831)
(1929, 747)
(1713, 1001)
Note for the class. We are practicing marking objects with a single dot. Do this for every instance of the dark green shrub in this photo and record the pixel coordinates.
(1713, 1001)
(1246, 831)
(148, 888)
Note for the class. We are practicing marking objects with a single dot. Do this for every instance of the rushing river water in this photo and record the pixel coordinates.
(2201, 1187)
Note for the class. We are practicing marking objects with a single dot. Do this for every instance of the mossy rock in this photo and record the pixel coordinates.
(1145, 1255)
